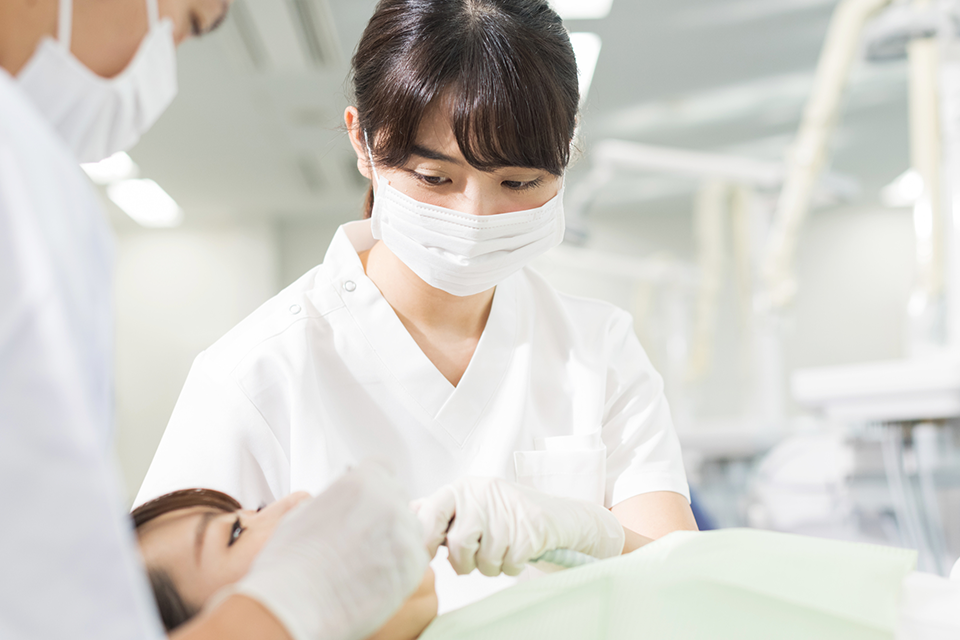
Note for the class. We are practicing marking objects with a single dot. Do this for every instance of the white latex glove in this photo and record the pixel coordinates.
(500, 526)
(340, 565)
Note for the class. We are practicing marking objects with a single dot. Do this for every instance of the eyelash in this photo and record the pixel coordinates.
(520, 186)
(523, 186)
(235, 532)
(195, 25)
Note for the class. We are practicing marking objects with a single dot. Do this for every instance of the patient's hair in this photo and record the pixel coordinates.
(174, 610)
(506, 67)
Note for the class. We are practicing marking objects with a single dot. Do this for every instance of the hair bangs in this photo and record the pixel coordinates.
(505, 119)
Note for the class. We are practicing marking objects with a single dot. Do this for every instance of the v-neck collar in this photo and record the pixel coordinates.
(457, 410)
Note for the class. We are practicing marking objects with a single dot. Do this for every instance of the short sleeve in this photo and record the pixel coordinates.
(643, 452)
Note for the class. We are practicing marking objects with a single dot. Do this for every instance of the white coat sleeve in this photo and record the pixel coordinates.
(217, 439)
(70, 568)
(643, 452)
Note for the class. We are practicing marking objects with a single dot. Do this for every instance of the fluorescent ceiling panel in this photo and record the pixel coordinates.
(904, 191)
(117, 167)
(586, 47)
(146, 202)
(582, 9)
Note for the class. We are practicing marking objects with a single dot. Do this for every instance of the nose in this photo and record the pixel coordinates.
(480, 201)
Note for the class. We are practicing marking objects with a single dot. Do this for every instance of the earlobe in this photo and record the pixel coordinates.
(351, 120)
(363, 166)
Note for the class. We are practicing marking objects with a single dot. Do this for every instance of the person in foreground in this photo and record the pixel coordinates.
(79, 81)
(687, 585)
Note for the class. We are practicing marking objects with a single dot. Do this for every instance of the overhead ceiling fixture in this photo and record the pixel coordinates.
(117, 167)
(586, 48)
(582, 9)
(287, 35)
(904, 191)
(146, 202)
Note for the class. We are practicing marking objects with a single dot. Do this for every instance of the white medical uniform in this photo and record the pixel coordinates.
(68, 561)
(559, 395)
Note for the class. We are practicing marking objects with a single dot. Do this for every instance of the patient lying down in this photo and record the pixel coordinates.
(735, 583)
(197, 541)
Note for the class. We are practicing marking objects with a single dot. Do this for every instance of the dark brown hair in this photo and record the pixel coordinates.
(174, 610)
(504, 68)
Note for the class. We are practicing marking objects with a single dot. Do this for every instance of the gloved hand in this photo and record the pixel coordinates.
(340, 565)
(500, 526)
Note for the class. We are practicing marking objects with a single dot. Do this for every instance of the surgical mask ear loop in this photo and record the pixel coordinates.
(153, 14)
(65, 23)
(366, 141)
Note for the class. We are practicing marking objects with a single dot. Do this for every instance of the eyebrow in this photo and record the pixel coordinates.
(430, 154)
(202, 526)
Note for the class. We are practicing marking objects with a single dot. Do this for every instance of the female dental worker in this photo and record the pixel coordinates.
(69, 563)
(423, 337)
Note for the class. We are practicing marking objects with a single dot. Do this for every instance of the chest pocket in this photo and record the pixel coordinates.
(565, 466)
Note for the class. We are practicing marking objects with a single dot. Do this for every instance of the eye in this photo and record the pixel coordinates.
(433, 181)
(521, 186)
(195, 28)
(235, 532)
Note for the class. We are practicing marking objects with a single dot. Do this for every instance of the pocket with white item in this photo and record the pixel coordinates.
(566, 466)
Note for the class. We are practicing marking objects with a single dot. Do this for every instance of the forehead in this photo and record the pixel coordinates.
(436, 128)
(170, 538)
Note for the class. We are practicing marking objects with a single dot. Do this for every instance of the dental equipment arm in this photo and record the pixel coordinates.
(498, 526)
(809, 152)
(341, 564)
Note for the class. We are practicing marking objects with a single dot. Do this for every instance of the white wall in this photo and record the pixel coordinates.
(303, 243)
(856, 270)
(177, 291)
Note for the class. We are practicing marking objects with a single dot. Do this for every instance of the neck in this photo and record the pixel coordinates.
(22, 25)
(427, 308)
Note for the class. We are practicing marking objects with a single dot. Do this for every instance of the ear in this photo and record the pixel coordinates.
(351, 118)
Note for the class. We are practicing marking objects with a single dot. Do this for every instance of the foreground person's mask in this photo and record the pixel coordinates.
(462, 253)
(99, 116)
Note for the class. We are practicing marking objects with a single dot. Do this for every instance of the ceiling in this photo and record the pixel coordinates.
(243, 142)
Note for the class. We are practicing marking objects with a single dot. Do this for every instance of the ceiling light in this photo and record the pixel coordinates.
(582, 9)
(117, 167)
(586, 48)
(146, 202)
(904, 191)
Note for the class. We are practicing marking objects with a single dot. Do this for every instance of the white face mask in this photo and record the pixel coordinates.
(462, 253)
(99, 116)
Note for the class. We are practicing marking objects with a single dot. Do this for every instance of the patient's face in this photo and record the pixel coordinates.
(204, 549)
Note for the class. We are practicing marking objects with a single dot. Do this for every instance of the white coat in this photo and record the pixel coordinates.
(70, 568)
(559, 395)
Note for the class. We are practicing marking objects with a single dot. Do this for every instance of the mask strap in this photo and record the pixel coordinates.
(65, 23)
(153, 13)
(366, 141)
